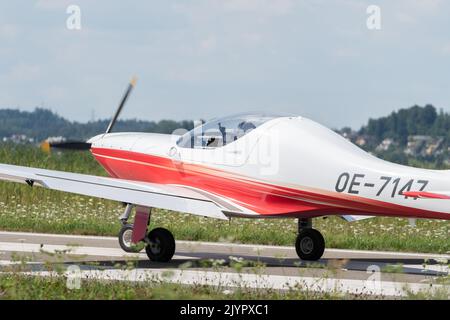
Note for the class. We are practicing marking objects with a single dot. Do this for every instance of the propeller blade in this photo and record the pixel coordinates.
(67, 145)
(122, 103)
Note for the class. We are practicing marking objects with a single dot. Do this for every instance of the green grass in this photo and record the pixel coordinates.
(15, 284)
(18, 286)
(24, 287)
(39, 210)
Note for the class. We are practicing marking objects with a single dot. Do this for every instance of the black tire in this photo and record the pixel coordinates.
(125, 239)
(162, 245)
(310, 245)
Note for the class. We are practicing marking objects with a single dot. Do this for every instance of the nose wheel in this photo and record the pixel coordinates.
(310, 244)
(125, 242)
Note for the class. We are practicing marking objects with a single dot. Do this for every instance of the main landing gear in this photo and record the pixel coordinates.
(159, 243)
(309, 244)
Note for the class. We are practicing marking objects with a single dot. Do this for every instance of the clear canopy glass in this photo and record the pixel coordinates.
(221, 131)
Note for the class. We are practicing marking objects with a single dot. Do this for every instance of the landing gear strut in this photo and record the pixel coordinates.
(159, 243)
(309, 244)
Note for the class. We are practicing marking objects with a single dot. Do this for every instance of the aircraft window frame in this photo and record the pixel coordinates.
(223, 131)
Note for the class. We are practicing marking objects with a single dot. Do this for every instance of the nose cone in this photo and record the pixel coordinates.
(120, 141)
(93, 140)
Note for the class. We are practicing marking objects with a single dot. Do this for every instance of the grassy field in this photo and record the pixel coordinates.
(18, 287)
(40, 210)
(21, 287)
(14, 284)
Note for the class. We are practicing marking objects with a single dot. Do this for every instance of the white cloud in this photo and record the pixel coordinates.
(404, 17)
(187, 74)
(428, 6)
(411, 11)
(446, 49)
(252, 38)
(53, 4)
(264, 52)
(56, 93)
(208, 44)
(211, 10)
(267, 7)
(8, 31)
(25, 72)
(346, 52)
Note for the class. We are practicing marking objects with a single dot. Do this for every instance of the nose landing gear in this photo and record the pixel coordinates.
(310, 243)
(159, 243)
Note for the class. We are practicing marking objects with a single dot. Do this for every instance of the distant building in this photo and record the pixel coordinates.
(364, 140)
(435, 147)
(56, 139)
(18, 139)
(361, 141)
(385, 145)
(348, 134)
(420, 145)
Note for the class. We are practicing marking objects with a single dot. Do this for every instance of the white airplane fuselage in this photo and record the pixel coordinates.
(288, 166)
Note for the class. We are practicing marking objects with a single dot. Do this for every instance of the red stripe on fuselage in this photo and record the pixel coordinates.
(261, 197)
(426, 195)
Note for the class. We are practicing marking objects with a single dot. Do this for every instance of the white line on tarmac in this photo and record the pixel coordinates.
(53, 235)
(10, 263)
(73, 250)
(230, 245)
(257, 281)
(224, 279)
(119, 253)
(7, 262)
(115, 252)
(429, 267)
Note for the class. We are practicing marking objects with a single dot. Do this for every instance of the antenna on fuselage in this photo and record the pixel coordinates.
(131, 85)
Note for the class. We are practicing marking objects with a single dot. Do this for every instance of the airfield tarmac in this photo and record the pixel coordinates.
(347, 271)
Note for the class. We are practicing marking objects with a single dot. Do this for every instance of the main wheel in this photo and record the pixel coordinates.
(125, 243)
(310, 244)
(162, 245)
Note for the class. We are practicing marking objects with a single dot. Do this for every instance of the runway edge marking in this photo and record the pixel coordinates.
(238, 245)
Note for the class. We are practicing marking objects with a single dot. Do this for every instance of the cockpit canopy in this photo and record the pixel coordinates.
(222, 131)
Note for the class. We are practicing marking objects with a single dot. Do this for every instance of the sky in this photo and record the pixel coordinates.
(200, 59)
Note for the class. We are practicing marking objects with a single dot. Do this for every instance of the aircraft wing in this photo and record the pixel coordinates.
(155, 195)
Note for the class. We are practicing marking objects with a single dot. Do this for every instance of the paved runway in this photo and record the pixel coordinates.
(349, 271)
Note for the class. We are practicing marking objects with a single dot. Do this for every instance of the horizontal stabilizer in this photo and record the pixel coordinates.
(427, 195)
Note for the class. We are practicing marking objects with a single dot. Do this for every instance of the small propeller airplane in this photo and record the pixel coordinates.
(253, 165)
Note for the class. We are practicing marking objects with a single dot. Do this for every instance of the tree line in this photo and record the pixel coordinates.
(415, 120)
(42, 123)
